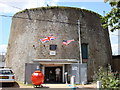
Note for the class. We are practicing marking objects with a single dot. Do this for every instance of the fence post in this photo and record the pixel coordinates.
(99, 84)
(66, 77)
(73, 81)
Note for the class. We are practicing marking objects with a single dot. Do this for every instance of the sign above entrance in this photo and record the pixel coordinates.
(56, 61)
(52, 52)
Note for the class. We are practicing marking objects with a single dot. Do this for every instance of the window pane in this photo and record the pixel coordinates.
(84, 48)
(6, 72)
(53, 47)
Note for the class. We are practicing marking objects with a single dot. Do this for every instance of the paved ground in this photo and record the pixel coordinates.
(21, 85)
(69, 86)
(87, 86)
(56, 85)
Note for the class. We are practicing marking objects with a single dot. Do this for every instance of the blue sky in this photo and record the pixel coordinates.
(10, 7)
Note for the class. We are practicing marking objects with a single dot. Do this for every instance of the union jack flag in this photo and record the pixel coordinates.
(51, 37)
(43, 40)
(66, 42)
(47, 39)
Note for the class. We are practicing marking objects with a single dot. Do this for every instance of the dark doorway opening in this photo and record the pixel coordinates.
(53, 74)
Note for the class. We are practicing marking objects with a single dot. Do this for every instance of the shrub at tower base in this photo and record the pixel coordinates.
(107, 78)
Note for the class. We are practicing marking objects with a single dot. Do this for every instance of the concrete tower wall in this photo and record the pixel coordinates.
(30, 25)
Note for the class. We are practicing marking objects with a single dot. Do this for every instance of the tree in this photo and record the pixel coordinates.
(112, 19)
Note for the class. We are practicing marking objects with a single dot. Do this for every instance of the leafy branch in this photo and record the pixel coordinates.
(112, 19)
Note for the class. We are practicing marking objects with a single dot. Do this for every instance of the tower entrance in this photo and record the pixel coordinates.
(53, 74)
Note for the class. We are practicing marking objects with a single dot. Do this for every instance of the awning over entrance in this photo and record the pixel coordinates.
(56, 61)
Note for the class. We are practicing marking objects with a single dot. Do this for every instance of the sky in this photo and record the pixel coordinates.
(10, 7)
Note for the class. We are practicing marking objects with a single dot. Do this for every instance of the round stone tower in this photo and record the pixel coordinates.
(31, 25)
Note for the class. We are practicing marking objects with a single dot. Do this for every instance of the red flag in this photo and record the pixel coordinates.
(66, 42)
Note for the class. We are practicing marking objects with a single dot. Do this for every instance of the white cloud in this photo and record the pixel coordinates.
(83, 7)
(81, 1)
(4, 8)
(54, 0)
(3, 48)
(13, 6)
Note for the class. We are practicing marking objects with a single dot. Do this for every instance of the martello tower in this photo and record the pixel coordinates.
(30, 25)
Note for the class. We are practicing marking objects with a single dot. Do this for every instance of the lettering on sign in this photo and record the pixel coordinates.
(52, 52)
(74, 68)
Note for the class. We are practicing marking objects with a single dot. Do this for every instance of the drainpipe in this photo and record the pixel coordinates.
(80, 54)
(79, 42)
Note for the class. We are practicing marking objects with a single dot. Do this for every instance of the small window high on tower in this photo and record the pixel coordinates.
(53, 47)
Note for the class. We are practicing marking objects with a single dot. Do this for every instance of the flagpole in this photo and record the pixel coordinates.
(80, 61)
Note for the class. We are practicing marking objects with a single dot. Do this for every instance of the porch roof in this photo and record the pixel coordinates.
(56, 61)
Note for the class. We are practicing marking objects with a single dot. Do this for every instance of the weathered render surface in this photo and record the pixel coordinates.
(30, 25)
(2, 60)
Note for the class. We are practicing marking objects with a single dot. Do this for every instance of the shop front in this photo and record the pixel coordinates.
(57, 70)
(54, 70)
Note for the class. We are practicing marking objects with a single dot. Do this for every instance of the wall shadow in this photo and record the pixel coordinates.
(9, 85)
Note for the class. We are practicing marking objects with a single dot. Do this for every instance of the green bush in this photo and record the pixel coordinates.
(108, 79)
